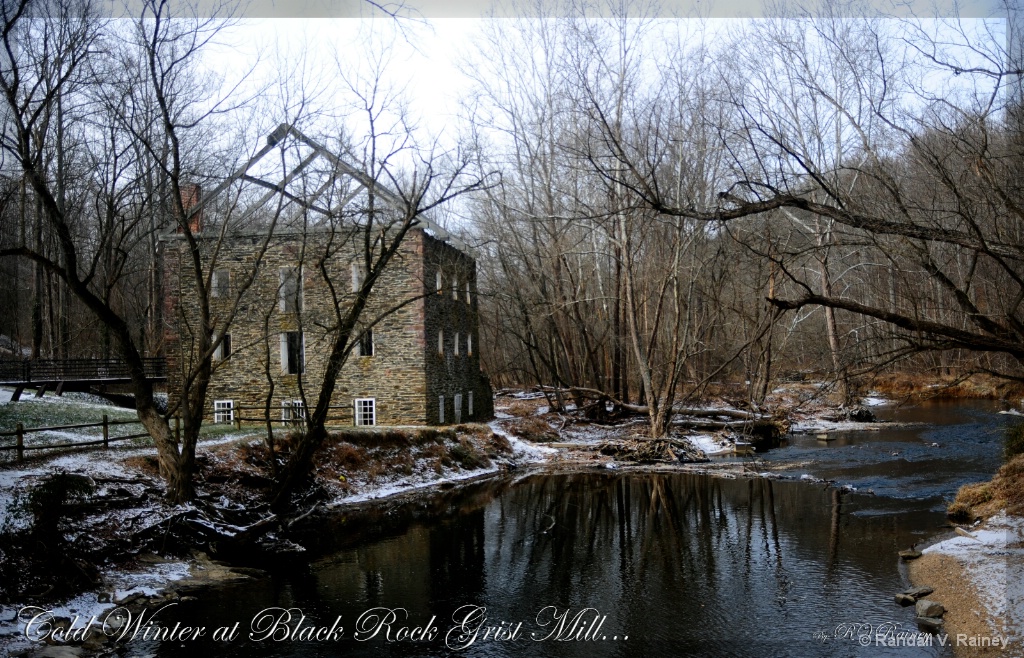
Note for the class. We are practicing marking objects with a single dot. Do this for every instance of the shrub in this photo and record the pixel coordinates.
(468, 456)
(534, 429)
(347, 456)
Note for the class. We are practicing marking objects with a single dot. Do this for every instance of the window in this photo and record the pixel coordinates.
(440, 412)
(455, 287)
(469, 298)
(458, 408)
(469, 411)
(366, 411)
(440, 282)
(469, 344)
(440, 341)
(221, 284)
(358, 275)
(292, 353)
(223, 411)
(223, 350)
(365, 345)
(456, 351)
(293, 411)
(291, 290)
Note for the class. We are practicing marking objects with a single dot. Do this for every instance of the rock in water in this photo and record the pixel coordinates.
(929, 608)
(861, 415)
(905, 600)
(932, 624)
(910, 554)
(918, 592)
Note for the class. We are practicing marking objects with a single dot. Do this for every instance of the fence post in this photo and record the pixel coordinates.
(21, 441)
(106, 432)
(238, 423)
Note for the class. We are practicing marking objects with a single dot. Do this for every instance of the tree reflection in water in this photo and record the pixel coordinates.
(682, 563)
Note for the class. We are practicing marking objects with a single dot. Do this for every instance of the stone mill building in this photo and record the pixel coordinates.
(415, 356)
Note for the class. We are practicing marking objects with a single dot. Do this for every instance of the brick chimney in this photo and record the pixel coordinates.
(192, 196)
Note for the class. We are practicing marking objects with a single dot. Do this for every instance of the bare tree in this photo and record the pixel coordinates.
(59, 53)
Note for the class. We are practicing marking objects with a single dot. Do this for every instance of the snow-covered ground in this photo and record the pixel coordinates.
(711, 445)
(118, 584)
(993, 557)
(523, 453)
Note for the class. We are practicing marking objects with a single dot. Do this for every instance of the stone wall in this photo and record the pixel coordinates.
(450, 315)
(405, 375)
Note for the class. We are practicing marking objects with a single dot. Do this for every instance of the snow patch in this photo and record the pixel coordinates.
(875, 401)
(994, 560)
(523, 450)
(710, 445)
(119, 583)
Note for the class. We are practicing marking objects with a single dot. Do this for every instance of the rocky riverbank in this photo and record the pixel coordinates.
(978, 576)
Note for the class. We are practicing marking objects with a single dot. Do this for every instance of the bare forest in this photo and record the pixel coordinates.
(655, 206)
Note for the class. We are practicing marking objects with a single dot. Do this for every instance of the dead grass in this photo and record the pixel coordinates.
(925, 385)
(521, 408)
(346, 456)
(498, 444)
(467, 455)
(533, 429)
(982, 500)
(368, 456)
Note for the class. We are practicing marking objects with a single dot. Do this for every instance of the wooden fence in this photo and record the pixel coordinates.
(20, 431)
(106, 424)
(298, 413)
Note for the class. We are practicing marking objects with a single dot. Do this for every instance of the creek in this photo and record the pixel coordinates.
(608, 563)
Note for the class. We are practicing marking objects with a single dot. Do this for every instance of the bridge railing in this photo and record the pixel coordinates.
(54, 370)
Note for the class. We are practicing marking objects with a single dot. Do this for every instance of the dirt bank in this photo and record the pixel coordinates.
(980, 580)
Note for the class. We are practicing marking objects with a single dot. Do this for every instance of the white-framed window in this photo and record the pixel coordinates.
(469, 344)
(223, 350)
(440, 282)
(455, 287)
(469, 411)
(358, 275)
(293, 358)
(469, 297)
(223, 411)
(440, 410)
(220, 285)
(456, 350)
(365, 345)
(440, 341)
(366, 411)
(292, 410)
(291, 290)
(458, 408)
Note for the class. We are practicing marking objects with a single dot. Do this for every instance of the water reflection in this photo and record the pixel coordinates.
(682, 564)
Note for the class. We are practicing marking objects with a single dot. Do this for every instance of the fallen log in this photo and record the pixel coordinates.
(601, 396)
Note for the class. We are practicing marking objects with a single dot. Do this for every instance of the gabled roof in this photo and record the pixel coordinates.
(339, 168)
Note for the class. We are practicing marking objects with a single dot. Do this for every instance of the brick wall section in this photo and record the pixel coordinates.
(405, 375)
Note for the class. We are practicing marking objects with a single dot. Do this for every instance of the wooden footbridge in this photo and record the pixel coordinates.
(62, 375)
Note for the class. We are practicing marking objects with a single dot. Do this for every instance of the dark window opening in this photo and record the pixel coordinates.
(366, 343)
(291, 346)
